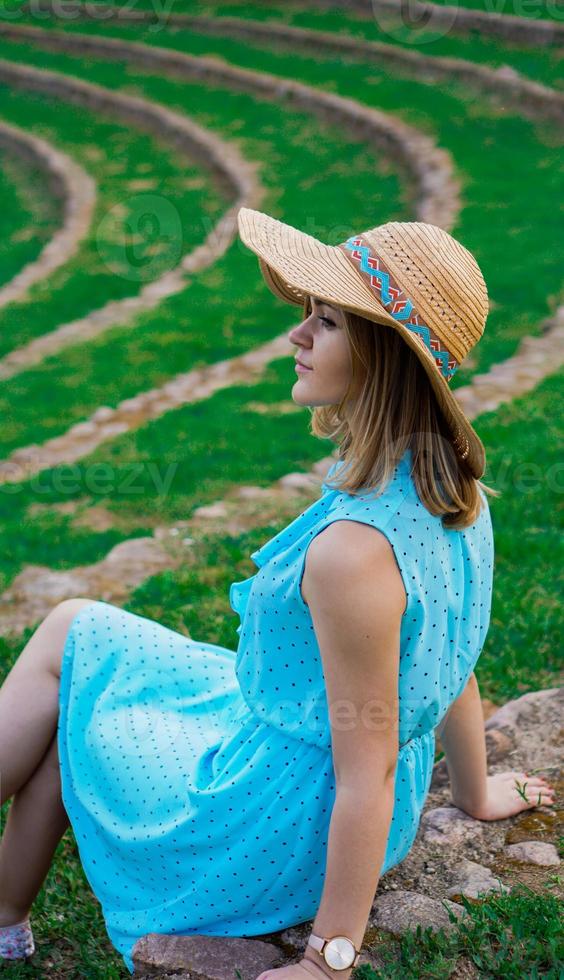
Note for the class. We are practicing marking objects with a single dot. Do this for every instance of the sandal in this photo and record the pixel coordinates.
(16, 942)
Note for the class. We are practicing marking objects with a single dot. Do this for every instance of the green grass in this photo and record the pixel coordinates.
(188, 432)
(531, 9)
(520, 153)
(83, 377)
(30, 216)
(246, 445)
(320, 167)
(523, 649)
(543, 64)
(354, 21)
(507, 936)
(312, 172)
(136, 234)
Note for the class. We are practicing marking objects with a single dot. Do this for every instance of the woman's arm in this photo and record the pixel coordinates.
(483, 797)
(357, 598)
(463, 739)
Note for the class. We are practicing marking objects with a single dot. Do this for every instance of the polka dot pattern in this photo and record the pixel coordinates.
(199, 780)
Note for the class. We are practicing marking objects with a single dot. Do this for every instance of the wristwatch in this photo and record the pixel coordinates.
(339, 952)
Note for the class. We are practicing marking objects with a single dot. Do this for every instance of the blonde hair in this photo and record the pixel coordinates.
(396, 409)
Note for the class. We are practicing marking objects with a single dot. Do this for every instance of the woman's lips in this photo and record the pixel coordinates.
(301, 369)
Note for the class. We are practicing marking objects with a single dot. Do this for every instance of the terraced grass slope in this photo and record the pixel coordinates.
(316, 174)
(29, 217)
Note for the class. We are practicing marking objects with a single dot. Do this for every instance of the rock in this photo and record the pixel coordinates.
(372, 959)
(533, 722)
(252, 492)
(322, 466)
(83, 428)
(211, 510)
(447, 825)
(296, 937)
(499, 744)
(489, 708)
(509, 715)
(103, 413)
(440, 775)
(298, 481)
(215, 957)
(403, 910)
(112, 429)
(472, 879)
(27, 454)
(534, 852)
(134, 555)
(131, 405)
(37, 589)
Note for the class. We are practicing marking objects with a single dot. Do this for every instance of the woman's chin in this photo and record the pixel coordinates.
(300, 397)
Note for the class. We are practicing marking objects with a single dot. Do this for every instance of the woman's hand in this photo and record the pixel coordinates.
(508, 793)
(305, 970)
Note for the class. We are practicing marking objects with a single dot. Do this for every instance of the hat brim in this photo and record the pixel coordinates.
(296, 265)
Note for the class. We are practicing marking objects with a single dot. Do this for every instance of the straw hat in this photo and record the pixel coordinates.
(410, 275)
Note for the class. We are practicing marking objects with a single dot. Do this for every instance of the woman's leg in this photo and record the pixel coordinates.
(29, 699)
(36, 822)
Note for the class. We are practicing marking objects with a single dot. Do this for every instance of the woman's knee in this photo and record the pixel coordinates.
(68, 608)
(55, 628)
(61, 616)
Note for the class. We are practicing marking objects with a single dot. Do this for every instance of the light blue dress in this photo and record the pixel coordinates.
(199, 780)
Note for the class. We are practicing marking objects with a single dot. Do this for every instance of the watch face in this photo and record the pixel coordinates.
(339, 953)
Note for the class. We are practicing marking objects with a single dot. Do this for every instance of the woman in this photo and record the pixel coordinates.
(236, 793)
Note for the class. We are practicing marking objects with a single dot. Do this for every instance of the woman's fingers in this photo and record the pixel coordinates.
(535, 790)
(532, 781)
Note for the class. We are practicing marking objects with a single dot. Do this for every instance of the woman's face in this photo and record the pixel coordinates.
(323, 347)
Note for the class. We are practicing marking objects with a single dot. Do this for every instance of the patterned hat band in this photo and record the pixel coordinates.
(381, 282)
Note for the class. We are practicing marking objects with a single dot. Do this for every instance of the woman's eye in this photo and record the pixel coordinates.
(327, 321)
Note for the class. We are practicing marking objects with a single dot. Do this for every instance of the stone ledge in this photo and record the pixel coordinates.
(234, 174)
(530, 97)
(209, 957)
(527, 31)
(428, 167)
(72, 186)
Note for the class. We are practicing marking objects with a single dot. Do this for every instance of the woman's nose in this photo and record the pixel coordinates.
(299, 333)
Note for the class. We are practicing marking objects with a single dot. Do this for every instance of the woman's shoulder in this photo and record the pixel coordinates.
(353, 554)
(349, 541)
